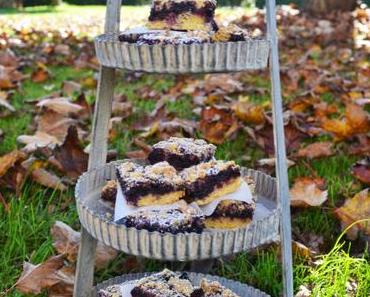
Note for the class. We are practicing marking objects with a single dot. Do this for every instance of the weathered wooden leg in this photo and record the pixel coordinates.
(98, 154)
(280, 154)
(202, 266)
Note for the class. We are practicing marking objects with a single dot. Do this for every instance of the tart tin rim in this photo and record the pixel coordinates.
(231, 284)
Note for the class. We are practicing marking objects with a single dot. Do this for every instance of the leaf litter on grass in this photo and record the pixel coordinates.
(326, 95)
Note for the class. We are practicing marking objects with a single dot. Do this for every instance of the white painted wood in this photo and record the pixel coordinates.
(98, 154)
(279, 138)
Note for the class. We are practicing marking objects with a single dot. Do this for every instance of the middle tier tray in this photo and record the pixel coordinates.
(97, 219)
(182, 58)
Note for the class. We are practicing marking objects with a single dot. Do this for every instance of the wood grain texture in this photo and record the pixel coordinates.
(280, 153)
(98, 154)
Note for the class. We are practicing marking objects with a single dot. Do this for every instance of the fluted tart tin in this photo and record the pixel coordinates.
(182, 58)
(242, 290)
(97, 219)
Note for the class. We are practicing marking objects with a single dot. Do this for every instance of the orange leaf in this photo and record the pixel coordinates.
(308, 191)
(354, 209)
(316, 150)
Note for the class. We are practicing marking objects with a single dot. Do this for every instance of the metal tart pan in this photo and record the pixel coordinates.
(182, 58)
(242, 290)
(97, 219)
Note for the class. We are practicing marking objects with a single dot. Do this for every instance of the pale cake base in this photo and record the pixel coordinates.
(160, 199)
(226, 223)
(226, 188)
(184, 22)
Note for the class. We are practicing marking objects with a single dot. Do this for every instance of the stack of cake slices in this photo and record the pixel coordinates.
(182, 180)
(183, 22)
(167, 284)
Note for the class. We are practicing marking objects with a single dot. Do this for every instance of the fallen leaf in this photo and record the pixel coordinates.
(48, 179)
(249, 113)
(7, 161)
(39, 140)
(358, 118)
(4, 102)
(66, 241)
(308, 191)
(8, 58)
(303, 291)
(224, 82)
(355, 209)
(69, 87)
(71, 155)
(271, 162)
(62, 105)
(316, 150)
(217, 124)
(36, 278)
(361, 170)
(41, 74)
(301, 250)
(64, 288)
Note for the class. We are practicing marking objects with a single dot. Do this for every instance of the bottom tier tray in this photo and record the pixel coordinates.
(241, 289)
(97, 219)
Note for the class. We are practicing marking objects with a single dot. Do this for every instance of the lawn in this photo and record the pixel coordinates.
(26, 225)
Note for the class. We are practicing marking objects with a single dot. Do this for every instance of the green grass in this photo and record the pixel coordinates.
(25, 233)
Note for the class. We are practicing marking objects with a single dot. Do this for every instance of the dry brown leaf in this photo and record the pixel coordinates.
(41, 74)
(249, 113)
(48, 179)
(71, 87)
(308, 191)
(8, 58)
(7, 161)
(301, 250)
(316, 150)
(4, 102)
(53, 123)
(36, 278)
(62, 105)
(361, 170)
(71, 155)
(358, 118)
(354, 209)
(122, 109)
(66, 241)
(224, 82)
(217, 124)
(64, 288)
(39, 140)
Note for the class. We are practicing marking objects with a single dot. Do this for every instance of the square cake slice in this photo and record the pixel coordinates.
(163, 284)
(183, 15)
(183, 219)
(230, 214)
(208, 181)
(149, 185)
(182, 152)
(213, 289)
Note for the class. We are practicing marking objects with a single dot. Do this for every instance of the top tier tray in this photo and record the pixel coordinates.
(182, 58)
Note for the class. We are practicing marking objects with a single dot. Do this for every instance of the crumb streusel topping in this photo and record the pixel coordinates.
(180, 146)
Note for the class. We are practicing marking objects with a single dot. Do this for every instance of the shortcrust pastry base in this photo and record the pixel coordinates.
(226, 223)
(184, 22)
(226, 188)
(169, 198)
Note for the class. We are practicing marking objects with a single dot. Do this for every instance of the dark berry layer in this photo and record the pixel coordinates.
(174, 222)
(178, 161)
(235, 209)
(202, 187)
(176, 8)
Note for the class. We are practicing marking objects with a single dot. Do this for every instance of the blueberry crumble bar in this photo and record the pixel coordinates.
(182, 152)
(183, 219)
(208, 181)
(230, 214)
(149, 185)
(183, 15)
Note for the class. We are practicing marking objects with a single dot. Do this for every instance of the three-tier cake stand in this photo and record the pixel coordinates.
(272, 219)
